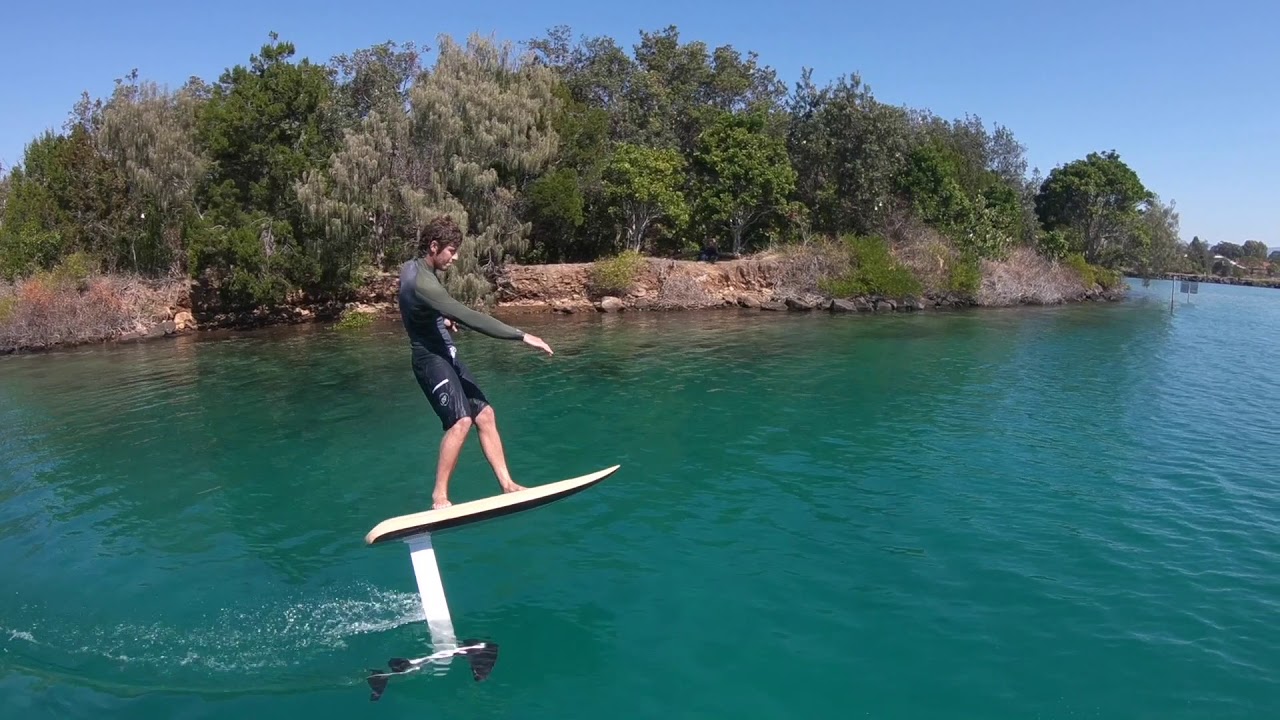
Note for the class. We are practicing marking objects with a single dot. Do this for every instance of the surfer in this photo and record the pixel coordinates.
(430, 315)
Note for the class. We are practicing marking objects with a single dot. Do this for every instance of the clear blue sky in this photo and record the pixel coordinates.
(1185, 91)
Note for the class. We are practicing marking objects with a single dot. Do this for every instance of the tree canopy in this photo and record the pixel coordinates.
(286, 175)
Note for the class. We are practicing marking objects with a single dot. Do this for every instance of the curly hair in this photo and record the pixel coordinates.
(443, 231)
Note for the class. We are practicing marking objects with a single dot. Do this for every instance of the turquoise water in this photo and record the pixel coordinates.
(1067, 512)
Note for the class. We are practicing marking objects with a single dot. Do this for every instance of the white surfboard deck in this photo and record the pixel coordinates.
(405, 527)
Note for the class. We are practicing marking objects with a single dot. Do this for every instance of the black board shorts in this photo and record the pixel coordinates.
(449, 387)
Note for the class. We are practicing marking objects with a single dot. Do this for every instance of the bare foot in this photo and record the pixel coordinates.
(440, 502)
(512, 487)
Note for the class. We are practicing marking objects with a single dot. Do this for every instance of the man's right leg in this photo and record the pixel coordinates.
(450, 448)
(444, 391)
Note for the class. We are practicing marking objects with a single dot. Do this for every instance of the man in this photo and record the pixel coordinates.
(429, 315)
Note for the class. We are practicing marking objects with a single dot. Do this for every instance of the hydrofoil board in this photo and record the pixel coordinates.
(454, 516)
(416, 531)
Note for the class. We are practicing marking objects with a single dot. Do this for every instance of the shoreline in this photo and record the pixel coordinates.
(763, 283)
(1222, 280)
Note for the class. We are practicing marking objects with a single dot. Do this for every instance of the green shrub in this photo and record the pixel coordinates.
(74, 269)
(352, 320)
(1091, 274)
(875, 272)
(617, 274)
(964, 276)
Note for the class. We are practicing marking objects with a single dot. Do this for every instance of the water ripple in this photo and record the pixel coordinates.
(1039, 513)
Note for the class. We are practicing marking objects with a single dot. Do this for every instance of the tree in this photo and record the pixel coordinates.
(374, 76)
(1160, 249)
(1097, 200)
(476, 130)
(1228, 250)
(1199, 255)
(1254, 249)
(744, 175)
(848, 151)
(148, 134)
(646, 185)
(566, 205)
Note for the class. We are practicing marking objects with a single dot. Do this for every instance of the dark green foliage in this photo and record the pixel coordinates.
(1098, 201)
(262, 128)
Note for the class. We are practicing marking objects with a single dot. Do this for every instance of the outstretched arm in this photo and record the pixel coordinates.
(439, 300)
(435, 295)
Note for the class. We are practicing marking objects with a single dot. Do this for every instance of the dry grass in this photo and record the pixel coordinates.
(678, 289)
(929, 254)
(52, 309)
(1028, 278)
(801, 267)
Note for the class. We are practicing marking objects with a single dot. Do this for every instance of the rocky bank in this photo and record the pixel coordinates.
(769, 283)
(765, 282)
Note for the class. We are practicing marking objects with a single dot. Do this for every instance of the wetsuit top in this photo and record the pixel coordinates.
(424, 305)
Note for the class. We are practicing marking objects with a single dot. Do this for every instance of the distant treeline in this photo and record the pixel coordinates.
(287, 175)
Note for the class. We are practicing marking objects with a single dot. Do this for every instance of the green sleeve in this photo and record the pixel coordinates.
(431, 292)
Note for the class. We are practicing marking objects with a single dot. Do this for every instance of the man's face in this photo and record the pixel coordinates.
(441, 259)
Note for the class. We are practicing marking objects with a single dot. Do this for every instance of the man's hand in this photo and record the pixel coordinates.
(450, 325)
(536, 341)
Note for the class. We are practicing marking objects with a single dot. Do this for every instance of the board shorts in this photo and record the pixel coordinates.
(449, 387)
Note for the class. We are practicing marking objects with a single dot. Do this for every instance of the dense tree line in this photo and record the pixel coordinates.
(285, 175)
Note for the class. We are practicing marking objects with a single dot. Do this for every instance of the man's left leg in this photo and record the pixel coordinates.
(487, 426)
(491, 442)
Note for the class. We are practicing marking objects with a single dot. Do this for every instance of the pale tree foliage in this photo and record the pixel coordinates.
(476, 125)
(1159, 248)
(148, 133)
(380, 190)
(486, 114)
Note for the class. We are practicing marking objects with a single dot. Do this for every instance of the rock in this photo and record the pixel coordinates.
(183, 321)
(913, 304)
(168, 327)
(610, 304)
(773, 306)
(800, 303)
(747, 301)
(885, 305)
(843, 306)
(562, 307)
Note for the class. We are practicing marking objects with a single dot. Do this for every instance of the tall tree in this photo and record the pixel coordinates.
(645, 186)
(1097, 200)
(1160, 249)
(744, 175)
(848, 150)
(148, 134)
(476, 131)
(263, 127)
(1254, 249)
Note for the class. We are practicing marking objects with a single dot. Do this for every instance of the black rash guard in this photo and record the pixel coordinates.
(424, 305)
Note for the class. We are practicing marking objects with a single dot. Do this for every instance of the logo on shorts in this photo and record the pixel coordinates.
(444, 398)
